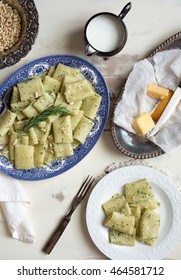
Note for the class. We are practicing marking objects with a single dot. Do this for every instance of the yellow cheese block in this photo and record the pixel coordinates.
(157, 92)
(161, 107)
(143, 123)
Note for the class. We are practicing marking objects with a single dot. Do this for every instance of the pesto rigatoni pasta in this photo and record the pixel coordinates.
(121, 238)
(6, 122)
(120, 222)
(131, 217)
(24, 156)
(49, 117)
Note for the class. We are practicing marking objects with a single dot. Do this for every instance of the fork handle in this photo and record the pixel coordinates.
(56, 235)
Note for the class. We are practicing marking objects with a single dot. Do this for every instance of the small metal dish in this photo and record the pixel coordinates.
(29, 30)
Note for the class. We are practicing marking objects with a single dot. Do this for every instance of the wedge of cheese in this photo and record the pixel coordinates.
(157, 92)
(143, 123)
(161, 107)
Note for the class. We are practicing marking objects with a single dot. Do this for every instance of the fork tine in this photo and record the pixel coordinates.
(83, 184)
(86, 187)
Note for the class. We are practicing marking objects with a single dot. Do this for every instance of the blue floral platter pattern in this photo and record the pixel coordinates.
(36, 67)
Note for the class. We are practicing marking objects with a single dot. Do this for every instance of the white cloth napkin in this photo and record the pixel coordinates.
(164, 69)
(14, 205)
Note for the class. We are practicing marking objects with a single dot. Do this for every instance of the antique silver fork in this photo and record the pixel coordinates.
(64, 222)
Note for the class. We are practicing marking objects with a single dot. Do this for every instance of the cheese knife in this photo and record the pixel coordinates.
(176, 97)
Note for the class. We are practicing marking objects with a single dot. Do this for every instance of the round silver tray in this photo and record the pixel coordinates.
(128, 143)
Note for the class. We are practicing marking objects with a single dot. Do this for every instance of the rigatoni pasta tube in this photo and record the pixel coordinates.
(120, 238)
(120, 222)
(63, 149)
(78, 91)
(114, 204)
(149, 224)
(6, 121)
(90, 106)
(39, 154)
(62, 130)
(82, 130)
(24, 156)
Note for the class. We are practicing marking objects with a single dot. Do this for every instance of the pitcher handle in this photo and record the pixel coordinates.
(124, 11)
(89, 50)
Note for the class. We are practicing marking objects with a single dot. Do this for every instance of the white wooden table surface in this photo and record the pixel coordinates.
(149, 23)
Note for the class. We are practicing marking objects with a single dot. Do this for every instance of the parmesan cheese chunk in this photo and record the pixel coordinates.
(157, 92)
(161, 107)
(143, 123)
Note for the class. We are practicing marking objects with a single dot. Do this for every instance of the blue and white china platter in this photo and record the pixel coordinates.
(37, 67)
